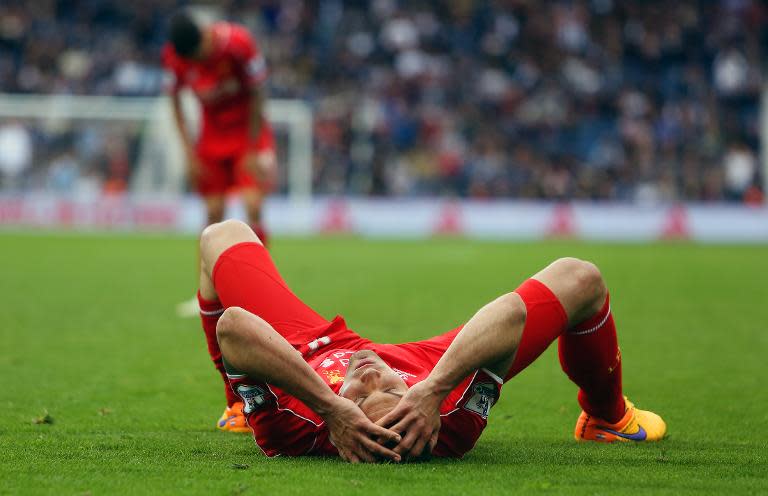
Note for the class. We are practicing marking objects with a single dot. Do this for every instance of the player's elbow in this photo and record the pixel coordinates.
(229, 324)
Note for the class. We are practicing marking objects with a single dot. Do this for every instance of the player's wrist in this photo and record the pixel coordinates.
(327, 404)
(437, 387)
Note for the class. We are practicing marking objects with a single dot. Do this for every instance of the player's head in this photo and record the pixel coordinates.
(372, 384)
(185, 35)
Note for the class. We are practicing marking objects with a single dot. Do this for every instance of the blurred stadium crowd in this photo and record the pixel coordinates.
(632, 100)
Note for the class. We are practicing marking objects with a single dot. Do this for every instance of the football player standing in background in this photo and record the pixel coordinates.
(222, 64)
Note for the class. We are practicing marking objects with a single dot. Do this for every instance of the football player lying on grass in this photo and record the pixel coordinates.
(309, 386)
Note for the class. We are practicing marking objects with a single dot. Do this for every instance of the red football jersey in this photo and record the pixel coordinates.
(223, 84)
(283, 425)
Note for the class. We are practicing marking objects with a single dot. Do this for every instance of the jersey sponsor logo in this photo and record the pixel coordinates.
(484, 395)
(253, 397)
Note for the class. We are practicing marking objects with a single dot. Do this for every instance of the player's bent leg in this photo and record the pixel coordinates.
(574, 306)
(215, 239)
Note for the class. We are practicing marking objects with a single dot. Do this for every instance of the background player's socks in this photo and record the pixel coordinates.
(259, 230)
(210, 311)
(589, 354)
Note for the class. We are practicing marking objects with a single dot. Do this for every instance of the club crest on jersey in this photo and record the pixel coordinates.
(253, 397)
(333, 376)
(484, 395)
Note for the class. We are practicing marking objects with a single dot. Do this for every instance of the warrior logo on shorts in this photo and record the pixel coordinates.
(253, 397)
(484, 395)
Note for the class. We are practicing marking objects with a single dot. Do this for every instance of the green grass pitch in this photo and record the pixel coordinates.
(89, 335)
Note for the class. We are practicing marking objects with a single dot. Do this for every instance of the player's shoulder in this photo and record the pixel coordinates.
(233, 39)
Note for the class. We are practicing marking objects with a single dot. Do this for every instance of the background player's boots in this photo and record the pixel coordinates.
(233, 419)
(188, 308)
(636, 425)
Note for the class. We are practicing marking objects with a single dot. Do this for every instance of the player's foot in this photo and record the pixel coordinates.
(189, 308)
(635, 425)
(233, 420)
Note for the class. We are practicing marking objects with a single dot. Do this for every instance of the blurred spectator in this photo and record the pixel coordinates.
(15, 152)
(740, 171)
(632, 100)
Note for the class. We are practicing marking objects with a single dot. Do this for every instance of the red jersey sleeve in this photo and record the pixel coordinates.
(244, 50)
(464, 413)
(281, 424)
(173, 68)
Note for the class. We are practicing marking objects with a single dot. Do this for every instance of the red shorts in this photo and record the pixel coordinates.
(223, 172)
(251, 281)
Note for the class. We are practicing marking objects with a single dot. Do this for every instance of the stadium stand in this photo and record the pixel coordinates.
(640, 101)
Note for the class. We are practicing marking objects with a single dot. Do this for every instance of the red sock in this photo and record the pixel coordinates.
(589, 354)
(259, 230)
(210, 311)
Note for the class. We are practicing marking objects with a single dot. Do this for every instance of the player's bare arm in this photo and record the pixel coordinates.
(257, 110)
(193, 163)
(262, 164)
(489, 340)
(253, 347)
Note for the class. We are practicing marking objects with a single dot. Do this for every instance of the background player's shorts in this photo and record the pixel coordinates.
(223, 172)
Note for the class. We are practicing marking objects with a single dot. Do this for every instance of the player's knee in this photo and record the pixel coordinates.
(221, 235)
(587, 279)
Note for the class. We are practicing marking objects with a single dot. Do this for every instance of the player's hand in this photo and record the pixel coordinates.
(417, 418)
(194, 168)
(354, 434)
(262, 165)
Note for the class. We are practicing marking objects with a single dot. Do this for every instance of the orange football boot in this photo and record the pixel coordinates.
(233, 419)
(636, 425)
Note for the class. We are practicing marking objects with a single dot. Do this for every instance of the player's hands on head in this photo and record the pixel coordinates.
(417, 418)
(354, 434)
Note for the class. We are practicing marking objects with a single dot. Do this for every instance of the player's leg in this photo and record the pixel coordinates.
(233, 419)
(238, 270)
(568, 300)
(589, 350)
(253, 200)
(215, 205)
(255, 175)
